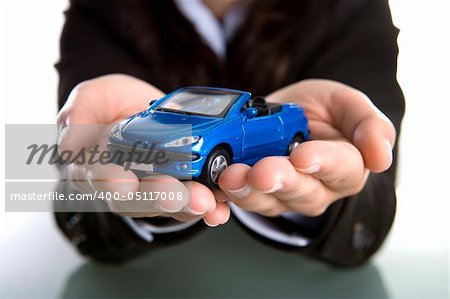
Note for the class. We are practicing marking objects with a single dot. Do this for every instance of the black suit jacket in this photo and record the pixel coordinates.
(351, 41)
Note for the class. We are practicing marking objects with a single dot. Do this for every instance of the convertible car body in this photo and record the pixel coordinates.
(202, 130)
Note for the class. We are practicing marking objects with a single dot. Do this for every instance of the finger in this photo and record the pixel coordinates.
(75, 136)
(112, 178)
(234, 177)
(197, 199)
(202, 202)
(294, 190)
(220, 196)
(375, 138)
(336, 163)
(78, 119)
(219, 216)
(142, 198)
(236, 184)
(368, 128)
(202, 199)
(166, 194)
(277, 175)
(157, 194)
(183, 217)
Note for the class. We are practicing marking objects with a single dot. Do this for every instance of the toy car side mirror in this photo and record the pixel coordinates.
(250, 112)
(152, 102)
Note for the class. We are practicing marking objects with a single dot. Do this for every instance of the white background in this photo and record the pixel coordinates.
(29, 48)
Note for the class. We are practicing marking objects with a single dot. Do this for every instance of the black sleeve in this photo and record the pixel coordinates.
(93, 43)
(361, 51)
(88, 49)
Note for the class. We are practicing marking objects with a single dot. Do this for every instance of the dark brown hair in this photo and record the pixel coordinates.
(258, 59)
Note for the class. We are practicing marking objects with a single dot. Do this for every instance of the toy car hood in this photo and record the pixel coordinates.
(162, 126)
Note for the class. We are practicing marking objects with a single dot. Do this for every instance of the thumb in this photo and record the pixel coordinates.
(375, 138)
(92, 104)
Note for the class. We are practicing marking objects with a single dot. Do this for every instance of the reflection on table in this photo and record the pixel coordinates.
(223, 262)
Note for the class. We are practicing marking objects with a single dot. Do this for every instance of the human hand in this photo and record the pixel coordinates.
(350, 138)
(104, 101)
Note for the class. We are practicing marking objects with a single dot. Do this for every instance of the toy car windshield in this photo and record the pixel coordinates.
(212, 103)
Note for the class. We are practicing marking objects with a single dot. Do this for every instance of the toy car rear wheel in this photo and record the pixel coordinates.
(217, 161)
(294, 143)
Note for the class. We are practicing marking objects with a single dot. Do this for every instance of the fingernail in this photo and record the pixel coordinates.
(192, 211)
(311, 169)
(225, 199)
(389, 149)
(62, 134)
(159, 208)
(242, 192)
(209, 224)
(278, 185)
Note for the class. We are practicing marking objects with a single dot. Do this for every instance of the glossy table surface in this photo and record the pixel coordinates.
(36, 262)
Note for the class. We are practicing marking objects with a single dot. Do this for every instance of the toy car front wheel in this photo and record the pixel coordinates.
(294, 143)
(217, 161)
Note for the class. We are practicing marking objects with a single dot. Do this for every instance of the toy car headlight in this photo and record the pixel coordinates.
(182, 141)
(116, 131)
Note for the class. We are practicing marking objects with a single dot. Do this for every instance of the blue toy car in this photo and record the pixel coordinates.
(224, 126)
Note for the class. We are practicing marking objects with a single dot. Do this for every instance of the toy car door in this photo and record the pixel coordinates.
(261, 137)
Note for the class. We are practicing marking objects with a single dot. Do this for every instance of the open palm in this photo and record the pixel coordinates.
(350, 138)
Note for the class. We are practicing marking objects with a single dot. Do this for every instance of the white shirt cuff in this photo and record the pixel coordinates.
(266, 228)
(146, 230)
